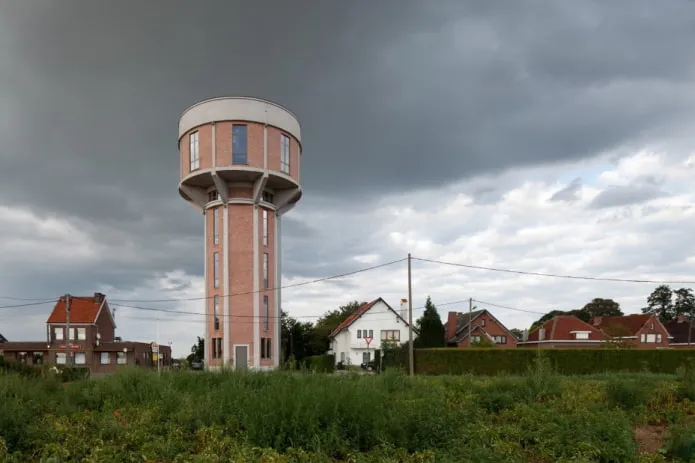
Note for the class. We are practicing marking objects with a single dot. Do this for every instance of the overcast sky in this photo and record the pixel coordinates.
(543, 136)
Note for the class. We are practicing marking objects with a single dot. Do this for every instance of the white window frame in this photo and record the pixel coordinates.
(284, 153)
(59, 333)
(265, 227)
(105, 358)
(658, 338)
(122, 358)
(651, 338)
(81, 333)
(193, 151)
(216, 226)
(266, 259)
(61, 358)
(80, 355)
(216, 269)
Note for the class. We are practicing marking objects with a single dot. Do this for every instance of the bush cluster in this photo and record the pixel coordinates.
(564, 361)
(62, 372)
(320, 363)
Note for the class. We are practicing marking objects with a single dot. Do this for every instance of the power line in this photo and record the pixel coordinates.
(28, 304)
(294, 285)
(552, 275)
(508, 308)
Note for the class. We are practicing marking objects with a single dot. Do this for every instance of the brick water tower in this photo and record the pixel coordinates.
(240, 165)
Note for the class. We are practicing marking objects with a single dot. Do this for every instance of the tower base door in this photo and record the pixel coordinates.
(241, 357)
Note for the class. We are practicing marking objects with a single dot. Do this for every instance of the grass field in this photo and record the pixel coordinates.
(201, 417)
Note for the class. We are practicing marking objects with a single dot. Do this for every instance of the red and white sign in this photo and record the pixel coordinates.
(368, 340)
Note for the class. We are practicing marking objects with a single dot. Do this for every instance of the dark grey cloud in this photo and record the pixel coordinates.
(569, 193)
(625, 195)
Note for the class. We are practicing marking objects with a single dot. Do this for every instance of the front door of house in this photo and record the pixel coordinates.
(365, 357)
(241, 357)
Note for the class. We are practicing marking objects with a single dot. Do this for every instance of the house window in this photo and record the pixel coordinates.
(581, 335)
(268, 197)
(58, 333)
(216, 269)
(38, 358)
(391, 335)
(658, 338)
(371, 333)
(239, 139)
(81, 334)
(195, 159)
(265, 348)
(265, 270)
(644, 337)
(359, 334)
(80, 358)
(213, 196)
(500, 339)
(265, 227)
(265, 313)
(285, 154)
(121, 358)
(475, 339)
(60, 358)
(365, 356)
(105, 358)
(216, 226)
(482, 322)
(651, 338)
(216, 311)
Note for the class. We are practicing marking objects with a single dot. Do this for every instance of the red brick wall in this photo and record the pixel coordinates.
(493, 328)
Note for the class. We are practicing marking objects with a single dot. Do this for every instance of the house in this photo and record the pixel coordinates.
(564, 331)
(678, 332)
(353, 342)
(89, 342)
(484, 327)
(2, 338)
(637, 330)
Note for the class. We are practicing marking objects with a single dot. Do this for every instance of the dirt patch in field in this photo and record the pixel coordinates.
(650, 437)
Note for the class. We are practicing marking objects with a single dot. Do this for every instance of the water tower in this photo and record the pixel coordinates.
(240, 167)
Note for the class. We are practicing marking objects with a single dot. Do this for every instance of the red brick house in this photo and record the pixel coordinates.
(564, 331)
(90, 342)
(678, 333)
(484, 327)
(638, 330)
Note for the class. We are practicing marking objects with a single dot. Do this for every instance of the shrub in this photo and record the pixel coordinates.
(681, 443)
(564, 361)
(627, 393)
(320, 363)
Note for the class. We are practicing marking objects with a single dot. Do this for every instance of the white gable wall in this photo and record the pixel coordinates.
(378, 318)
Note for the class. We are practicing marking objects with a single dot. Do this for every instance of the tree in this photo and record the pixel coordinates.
(601, 308)
(197, 351)
(430, 327)
(518, 334)
(660, 302)
(685, 305)
(325, 325)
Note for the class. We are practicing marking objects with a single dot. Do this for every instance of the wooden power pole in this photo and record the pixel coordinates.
(411, 359)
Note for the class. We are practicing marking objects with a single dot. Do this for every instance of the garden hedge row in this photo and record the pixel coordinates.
(320, 363)
(65, 373)
(565, 361)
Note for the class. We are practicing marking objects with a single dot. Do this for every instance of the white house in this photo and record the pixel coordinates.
(375, 322)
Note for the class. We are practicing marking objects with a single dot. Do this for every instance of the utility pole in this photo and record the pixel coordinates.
(411, 359)
(159, 351)
(470, 319)
(67, 326)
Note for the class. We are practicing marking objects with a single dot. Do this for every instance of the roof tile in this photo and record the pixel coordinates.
(82, 310)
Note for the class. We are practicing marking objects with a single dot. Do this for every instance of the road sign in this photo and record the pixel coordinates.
(368, 340)
(155, 347)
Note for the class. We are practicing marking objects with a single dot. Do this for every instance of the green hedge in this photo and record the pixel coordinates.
(9, 366)
(66, 374)
(320, 363)
(565, 361)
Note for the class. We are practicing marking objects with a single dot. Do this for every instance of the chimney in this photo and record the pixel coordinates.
(99, 298)
(681, 318)
(596, 321)
(404, 309)
(541, 334)
(451, 326)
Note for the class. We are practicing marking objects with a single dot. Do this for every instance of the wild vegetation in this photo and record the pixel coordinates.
(302, 417)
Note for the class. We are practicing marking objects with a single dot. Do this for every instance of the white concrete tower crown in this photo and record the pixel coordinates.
(240, 167)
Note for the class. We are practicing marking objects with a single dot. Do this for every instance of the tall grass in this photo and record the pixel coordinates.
(137, 415)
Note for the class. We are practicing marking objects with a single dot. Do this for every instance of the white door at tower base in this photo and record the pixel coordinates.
(241, 357)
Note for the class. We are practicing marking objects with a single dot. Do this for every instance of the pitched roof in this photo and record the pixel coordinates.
(631, 323)
(83, 309)
(560, 327)
(2, 338)
(679, 331)
(463, 319)
(359, 312)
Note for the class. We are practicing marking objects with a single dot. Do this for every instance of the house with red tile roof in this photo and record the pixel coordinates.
(484, 328)
(80, 331)
(681, 332)
(353, 341)
(564, 331)
(638, 330)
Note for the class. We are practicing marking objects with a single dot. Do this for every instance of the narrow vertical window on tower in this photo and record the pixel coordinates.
(193, 151)
(265, 227)
(239, 154)
(265, 270)
(285, 154)
(216, 311)
(265, 313)
(216, 226)
(216, 269)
